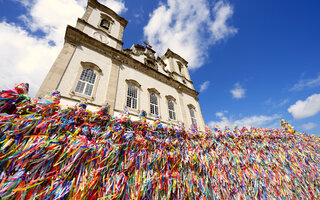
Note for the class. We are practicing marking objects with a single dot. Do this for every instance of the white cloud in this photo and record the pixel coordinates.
(138, 16)
(276, 104)
(204, 86)
(238, 92)
(219, 114)
(25, 2)
(222, 12)
(189, 28)
(26, 57)
(117, 6)
(224, 121)
(307, 83)
(283, 102)
(303, 109)
(309, 126)
(52, 17)
(256, 121)
(252, 121)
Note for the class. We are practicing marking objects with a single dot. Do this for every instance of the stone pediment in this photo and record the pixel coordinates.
(170, 53)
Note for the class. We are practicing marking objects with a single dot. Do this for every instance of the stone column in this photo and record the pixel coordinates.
(54, 76)
(113, 85)
(171, 65)
(87, 14)
(182, 109)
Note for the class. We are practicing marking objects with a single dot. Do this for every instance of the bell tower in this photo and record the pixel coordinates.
(103, 24)
(87, 67)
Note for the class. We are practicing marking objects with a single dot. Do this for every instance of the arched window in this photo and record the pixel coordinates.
(132, 96)
(86, 82)
(193, 118)
(154, 104)
(105, 24)
(172, 114)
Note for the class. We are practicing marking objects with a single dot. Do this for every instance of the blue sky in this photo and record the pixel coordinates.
(254, 62)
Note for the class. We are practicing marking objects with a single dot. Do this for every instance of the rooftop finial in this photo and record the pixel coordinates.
(147, 44)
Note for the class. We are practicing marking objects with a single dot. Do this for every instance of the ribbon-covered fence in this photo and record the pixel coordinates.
(52, 152)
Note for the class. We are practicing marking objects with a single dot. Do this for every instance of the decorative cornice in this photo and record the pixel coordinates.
(81, 97)
(92, 65)
(175, 73)
(77, 38)
(134, 82)
(170, 97)
(154, 90)
(161, 62)
(191, 106)
(150, 62)
(96, 4)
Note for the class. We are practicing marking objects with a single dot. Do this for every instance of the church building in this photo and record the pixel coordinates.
(93, 66)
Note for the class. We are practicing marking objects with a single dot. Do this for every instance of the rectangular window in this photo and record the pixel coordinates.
(132, 96)
(172, 114)
(86, 82)
(153, 104)
(89, 89)
(80, 86)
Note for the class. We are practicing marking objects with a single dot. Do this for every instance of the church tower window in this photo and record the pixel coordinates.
(105, 24)
(154, 109)
(86, 82)
(172, 114)
(180, 67)
(132, 96)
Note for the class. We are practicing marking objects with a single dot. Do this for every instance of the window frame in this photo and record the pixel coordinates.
(157, 94)
(107, 18)
(103, 26)
(138, 87)
(171, 98)
(132, 99)
(96, 70)
(86, 82)
(194, 118)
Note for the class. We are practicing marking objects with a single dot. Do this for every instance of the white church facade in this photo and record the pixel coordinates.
(93, 66)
